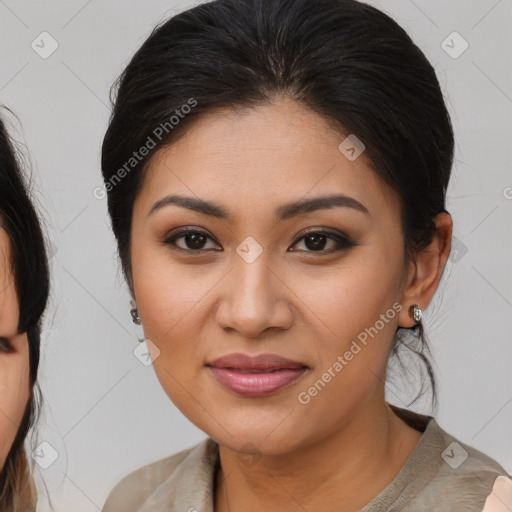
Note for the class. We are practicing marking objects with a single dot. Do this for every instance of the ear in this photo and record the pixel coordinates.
(425, 272)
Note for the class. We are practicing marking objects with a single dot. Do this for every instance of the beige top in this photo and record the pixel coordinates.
(441, 475)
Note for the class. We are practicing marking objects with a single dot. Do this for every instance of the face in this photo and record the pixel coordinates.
(306, 284)
(14, 356)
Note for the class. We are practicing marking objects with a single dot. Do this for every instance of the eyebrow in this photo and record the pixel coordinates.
(284, 212)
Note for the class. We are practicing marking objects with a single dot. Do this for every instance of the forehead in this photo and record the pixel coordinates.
(265, 154)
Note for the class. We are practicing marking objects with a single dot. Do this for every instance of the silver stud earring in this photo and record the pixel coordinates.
(416, 313)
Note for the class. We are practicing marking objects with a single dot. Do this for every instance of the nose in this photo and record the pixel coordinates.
(255, 299)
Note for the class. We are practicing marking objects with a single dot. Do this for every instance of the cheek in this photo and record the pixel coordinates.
(14, 395)
(358, 305)
(354, 295)
(171, 299)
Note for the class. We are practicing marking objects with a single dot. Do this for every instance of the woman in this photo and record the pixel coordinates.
(24, 285)
(276, 174)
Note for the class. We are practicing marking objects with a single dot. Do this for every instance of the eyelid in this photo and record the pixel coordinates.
(322, 231)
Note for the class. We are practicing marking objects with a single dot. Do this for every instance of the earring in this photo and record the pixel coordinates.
(416, 313)
(139, 330)
(135, 316)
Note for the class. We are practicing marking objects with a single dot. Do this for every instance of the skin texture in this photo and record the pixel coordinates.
(293, 301)
(14, 356)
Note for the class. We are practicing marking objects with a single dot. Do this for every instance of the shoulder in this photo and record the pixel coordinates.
(131, 492)
(500, 498)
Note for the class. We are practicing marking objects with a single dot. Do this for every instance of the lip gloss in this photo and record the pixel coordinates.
(253, 384)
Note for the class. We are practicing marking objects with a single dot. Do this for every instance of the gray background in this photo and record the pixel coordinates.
(105, 412)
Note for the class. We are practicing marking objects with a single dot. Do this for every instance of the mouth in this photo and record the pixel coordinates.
(254, 370)
(261, 363)
(261, 375)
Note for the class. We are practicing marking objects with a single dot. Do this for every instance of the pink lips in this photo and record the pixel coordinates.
(256, 376)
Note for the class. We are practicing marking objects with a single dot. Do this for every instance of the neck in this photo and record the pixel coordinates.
(349, 467)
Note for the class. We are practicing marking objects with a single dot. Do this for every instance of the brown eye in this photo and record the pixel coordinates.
(190, 241)
(317, 241)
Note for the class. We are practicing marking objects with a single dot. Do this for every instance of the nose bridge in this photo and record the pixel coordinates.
(253, 302)
(253, 279)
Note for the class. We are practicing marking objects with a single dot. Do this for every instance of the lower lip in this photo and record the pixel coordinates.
(257, 384)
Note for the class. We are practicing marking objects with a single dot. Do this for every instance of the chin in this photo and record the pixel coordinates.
(262, 438)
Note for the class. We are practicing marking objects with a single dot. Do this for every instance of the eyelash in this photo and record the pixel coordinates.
(342, 241)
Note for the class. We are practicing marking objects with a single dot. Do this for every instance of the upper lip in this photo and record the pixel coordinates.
(260, 362)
